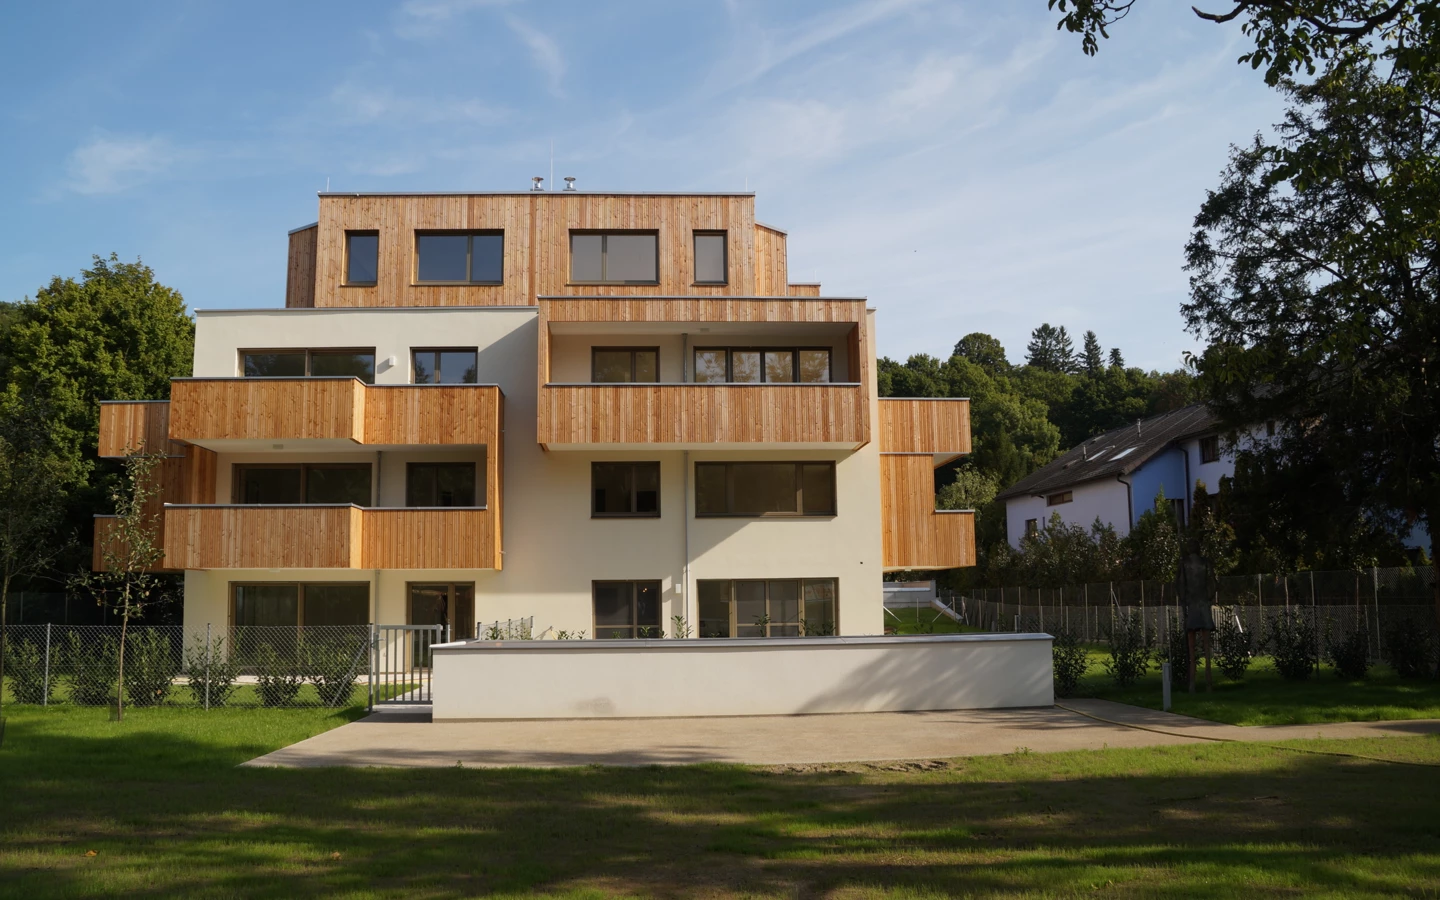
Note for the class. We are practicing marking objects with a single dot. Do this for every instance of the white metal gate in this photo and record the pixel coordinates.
(400, 660)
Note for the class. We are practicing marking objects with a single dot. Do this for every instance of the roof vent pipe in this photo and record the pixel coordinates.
(1137, 427)
(537, 183)
(569, 182)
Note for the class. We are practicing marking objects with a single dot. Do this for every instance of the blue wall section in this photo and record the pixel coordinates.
(1165, 469)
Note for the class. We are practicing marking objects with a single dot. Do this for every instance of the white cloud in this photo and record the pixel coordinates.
(420, 19)
(357, 104)
(544, 52)
(107, 165)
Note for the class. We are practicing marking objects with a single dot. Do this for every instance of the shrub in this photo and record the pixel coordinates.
(1234, 646)
(332, 662)
(150, 667)
(92, 669)
(277, 678)
(25, 672)
(1350, 655)
(1290, 636)
(211, 670)
(1070, 662)
(1411, 646)
(1129, 657)
(1175, 651)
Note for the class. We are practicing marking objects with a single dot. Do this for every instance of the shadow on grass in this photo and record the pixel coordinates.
(168, 813)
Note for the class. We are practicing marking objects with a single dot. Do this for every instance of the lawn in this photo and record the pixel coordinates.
(923, 621)
(160, 803)
(1264, 698)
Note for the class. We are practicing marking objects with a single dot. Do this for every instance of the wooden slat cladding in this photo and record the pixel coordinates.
(300, 272)
(130, 427)
(692, 309)
(704, 414)
(432, 414)
(188, 478)
(913, 534)
(537, 230)
(924, 426)
(771, 264)
(430, 539)
(803, 290)
(273, 408)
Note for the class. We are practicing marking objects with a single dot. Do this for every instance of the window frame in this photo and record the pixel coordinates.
(300, 600)
(799, 624)
(466, 629)
(659, 491)
(634, 627)
(1209, 449)
(361, 232)
(309, 355)
(605, 233)
(834, 508)
(1059, 498)
(437, 350)
(1032, 527)
(475, 466)
(237, 470)
(795, 352)
(695, 256)
(632, 351)
(470, 235)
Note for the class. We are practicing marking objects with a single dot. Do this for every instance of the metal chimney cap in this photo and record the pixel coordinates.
(537, 183)
(569, 182)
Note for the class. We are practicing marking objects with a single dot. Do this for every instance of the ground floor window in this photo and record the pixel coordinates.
(627, 609)
(444, 604)
(292, 604)
(795, 607)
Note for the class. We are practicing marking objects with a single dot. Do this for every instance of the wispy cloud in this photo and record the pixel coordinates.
(544, 52)
(360, 105)
(421, 19)
(109, 164)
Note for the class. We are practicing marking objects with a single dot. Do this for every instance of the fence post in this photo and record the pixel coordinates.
(1375, 588)
(208, 663)
(370, 682)
(45, 697)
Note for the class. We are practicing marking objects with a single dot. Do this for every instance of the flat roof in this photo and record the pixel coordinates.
(545, 193)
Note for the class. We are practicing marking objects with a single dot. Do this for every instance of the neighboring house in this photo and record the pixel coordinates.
(600, 410)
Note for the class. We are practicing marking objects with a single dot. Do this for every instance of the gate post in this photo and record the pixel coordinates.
(208, 663)
(370, 694)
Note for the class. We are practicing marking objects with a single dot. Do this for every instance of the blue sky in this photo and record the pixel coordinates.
(961, 164)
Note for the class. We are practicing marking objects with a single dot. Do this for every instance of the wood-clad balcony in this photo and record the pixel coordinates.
(914, 534)
(591, 415)
(939, 427)
(330, 537)
(132, 427)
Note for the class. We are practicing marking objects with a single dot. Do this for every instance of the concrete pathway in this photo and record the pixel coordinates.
(409, 738)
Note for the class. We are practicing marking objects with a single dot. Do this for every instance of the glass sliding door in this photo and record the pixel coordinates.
(782, 607)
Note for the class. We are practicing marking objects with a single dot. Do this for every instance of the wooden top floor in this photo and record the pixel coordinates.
(510, 248)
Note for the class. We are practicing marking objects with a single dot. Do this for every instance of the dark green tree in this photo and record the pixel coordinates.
(1050, 349)
(1092, 360)
(1116, 360)
(984, 351)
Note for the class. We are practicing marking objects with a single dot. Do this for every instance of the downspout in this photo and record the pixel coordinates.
(685, 483)
(1129, 503)
(1189, 489)
(375, 576)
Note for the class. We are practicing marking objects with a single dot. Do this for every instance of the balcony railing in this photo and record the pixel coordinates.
(684, 414)
(939, 426)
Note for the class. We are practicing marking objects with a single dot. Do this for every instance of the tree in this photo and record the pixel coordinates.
(1315, 279)
(984, 351)
(1116, 360)
(1092, 360)
(1153, 545)
(1050, 349)
(127, 582)
(1214, 536)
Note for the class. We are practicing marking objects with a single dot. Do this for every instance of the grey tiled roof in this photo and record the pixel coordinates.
(1117, 452)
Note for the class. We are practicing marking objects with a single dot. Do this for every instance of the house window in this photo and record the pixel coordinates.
(614, 257)
(795, 607)
(1032, 527)
(319, 483)
(1057, 499)
(625, 490)
(362, 257)
(291, 604)
(621, 365)
(457, 366)
(627, 609)
(710, 262)
(765, 489)
(450, 258)
(439, 484)
(444, 604)
(741, 365)
(302, 363)
(1210, 449)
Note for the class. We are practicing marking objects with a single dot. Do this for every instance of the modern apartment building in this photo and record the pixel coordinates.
(611, 412)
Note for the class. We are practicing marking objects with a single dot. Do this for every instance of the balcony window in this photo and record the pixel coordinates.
(769, 365)
(290, 604)
(620, 365)
(710, 261)
(627, 609)
(451, 258)
(795, 607)
(625, 490)
(765, 489)
(312, 363)
(362, 257)
(440, 484)
(445, 366)
(322, 483)
(614, 258)
(444, 604)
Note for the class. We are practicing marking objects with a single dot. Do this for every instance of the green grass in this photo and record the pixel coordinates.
(923, 621)
(159, 801)
(1264, 698)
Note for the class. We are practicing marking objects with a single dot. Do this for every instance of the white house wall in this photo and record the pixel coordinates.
(1103, 499)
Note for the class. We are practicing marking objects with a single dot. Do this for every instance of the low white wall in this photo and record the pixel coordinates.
(600, 679)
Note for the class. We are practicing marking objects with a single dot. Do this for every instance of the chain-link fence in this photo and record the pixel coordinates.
(314, 666)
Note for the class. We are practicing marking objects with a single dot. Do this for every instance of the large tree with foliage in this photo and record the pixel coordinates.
(1051, 350)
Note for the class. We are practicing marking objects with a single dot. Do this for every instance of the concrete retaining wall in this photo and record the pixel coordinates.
(598, 679)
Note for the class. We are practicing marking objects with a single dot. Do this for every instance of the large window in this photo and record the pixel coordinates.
(774, 365)
(362, 257)
(793, 607)
(276, 603)
(302, 363)
(625, 490)
(450, 258)
(765, 489)
(440, 484)
(710, 261)
(614, 258)
(282, 483)
(444, 604)
(627, 609)
(454, 366)
(620, 365)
